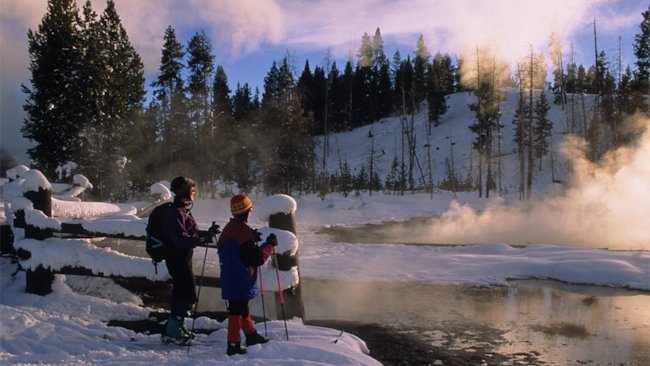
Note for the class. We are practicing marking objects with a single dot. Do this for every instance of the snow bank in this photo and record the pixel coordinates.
(160, 191)
(279, 203)
(87, 210)
(35, 180)
(56, 253)
(67, 327)
(38, 219)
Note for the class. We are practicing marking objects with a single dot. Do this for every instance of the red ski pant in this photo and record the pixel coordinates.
(239, 319)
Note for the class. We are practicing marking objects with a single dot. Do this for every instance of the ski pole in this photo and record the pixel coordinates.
(277, 275)
(198, 295)
(263, 307)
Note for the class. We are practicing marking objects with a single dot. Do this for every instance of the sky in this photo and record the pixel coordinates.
(248, 35)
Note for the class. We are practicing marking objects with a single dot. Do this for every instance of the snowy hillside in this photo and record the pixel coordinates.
(450, 142)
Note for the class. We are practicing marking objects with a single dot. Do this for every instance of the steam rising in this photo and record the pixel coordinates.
(605, 206)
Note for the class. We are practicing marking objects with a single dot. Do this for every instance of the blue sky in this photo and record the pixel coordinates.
(247, 35)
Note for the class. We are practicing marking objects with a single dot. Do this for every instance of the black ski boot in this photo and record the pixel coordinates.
(235, 348)
(255, 338)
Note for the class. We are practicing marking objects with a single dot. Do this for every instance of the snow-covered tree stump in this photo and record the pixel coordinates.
(279, 211)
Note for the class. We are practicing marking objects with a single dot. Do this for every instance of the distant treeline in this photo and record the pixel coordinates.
(86, 104)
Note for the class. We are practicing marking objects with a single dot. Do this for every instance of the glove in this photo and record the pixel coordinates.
(214, 229)
(257, 236)
(272, 240)
(205, 237)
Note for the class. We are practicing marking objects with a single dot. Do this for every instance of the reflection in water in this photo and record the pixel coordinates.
(562, 324)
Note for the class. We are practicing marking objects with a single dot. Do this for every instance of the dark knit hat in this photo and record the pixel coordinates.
(181, 186)
(240, 204)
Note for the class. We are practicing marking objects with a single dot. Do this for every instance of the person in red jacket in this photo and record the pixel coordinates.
(240, 257)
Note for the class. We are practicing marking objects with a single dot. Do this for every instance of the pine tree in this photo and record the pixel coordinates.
(420, 68)
(391, 182)
(169, 96)
(201, 69)
(360, 181)
(404, 87)
(347, 86)
(287, 157)
(319, 98)
(305, 87)
(243, 105)
(91, 66)
(383, 90)
(437, 90)
(221, 102)
(607, 102)
(272, 84)
(337, 95)
(312, 90)
(238, 150)
(487, 109)
(449, 74)
(52, 95)
(543, 128)
(171, 67)
(223, 124)
(364, 90)
(641, 85)
(571, 78)
(531, 75)
(378, 56)
(624, 95)
(365, 54)
(345, 178)
(374, 157)
(145, 151)
(120, 105)
(521, 134)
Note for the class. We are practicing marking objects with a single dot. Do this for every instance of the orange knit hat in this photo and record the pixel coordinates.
(240, 204)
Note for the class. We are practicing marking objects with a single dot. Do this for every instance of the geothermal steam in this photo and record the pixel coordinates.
(605, 206)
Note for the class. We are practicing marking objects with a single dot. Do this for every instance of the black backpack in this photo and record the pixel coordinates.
(157, 248)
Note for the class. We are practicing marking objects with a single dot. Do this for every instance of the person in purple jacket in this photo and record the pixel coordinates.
(181, 230)
(240, 257)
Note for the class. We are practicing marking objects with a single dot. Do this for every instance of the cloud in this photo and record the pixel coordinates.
(452, 26)
(235, 27)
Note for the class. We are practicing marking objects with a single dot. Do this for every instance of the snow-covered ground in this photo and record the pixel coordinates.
(67, 327)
